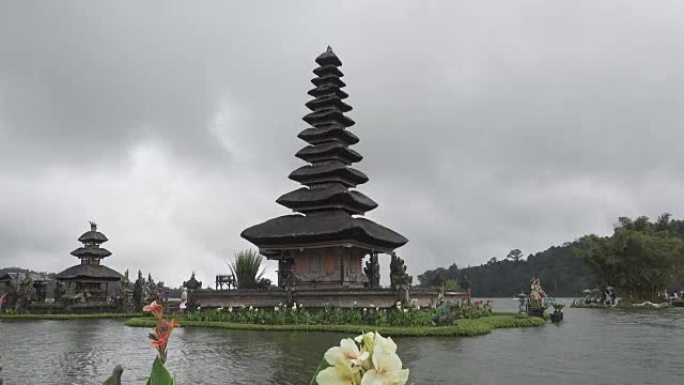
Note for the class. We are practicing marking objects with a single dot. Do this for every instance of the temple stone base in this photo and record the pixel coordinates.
(382, 298)
(85, 308)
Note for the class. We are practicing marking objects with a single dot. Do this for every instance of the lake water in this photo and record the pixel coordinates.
(591, 346)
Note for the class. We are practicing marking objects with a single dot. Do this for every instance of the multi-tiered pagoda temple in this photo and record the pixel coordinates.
(89, 281)
(322, 246)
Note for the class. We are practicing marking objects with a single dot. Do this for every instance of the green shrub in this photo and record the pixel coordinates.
(247, 269)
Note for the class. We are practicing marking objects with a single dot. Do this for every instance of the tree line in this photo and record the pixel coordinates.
(641, 259)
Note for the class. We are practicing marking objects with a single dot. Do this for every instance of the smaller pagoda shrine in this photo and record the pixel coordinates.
(89, 281)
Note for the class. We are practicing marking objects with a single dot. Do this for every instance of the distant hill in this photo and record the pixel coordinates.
(562, 271)
(6, 270)
(642, 258)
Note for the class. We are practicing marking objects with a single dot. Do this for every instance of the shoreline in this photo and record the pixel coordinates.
(624, 305)
(68, 316)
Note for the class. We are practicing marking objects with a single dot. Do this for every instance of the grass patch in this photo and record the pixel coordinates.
(462, 328)
(498, 321)
(67, 317)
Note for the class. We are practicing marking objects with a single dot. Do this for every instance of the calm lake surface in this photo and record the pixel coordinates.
(591, 346)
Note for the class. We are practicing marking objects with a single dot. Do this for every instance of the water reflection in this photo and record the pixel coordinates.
(589, 347)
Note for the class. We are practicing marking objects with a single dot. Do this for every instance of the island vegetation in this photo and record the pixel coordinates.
(396, 322)
(642, 258)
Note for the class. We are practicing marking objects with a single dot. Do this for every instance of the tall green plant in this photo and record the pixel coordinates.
(246, 266)
(160, 340)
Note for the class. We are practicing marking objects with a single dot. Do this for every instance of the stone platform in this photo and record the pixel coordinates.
(381, 298)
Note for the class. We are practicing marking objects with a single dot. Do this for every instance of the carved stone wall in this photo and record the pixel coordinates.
(328, 267)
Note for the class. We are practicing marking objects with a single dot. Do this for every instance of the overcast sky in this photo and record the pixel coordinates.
(485, 126)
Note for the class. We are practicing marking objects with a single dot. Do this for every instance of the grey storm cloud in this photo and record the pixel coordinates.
(485, 126)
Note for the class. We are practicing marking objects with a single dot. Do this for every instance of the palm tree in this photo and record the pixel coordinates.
(246, 266)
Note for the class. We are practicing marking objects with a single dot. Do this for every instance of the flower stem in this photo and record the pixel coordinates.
(318, 369)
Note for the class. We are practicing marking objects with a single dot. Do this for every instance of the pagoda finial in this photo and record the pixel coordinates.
(328, 57)
(93, 226)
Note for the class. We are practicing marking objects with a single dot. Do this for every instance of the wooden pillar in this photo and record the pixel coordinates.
(344, 252)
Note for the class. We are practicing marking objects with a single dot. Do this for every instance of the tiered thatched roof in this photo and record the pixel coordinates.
(328, 203)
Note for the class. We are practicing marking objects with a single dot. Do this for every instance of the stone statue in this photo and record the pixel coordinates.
(609, 296)
(372, 271)
(398, 276)
(522, 305)
(184, 300)
(399, 279)
(537, 294)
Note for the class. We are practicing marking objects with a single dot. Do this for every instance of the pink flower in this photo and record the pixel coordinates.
(160, 337)
(154, 308)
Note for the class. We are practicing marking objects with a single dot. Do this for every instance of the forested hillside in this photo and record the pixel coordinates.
(562, 270)
(641, 258)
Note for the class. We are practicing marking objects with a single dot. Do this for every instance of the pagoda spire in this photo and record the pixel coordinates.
(328, 204)
(328, 176)
(91, 252)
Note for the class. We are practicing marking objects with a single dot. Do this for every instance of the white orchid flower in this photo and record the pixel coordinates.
(386, 370)
(369, 336)
(384, 344)
(338, 375)
(347, 353)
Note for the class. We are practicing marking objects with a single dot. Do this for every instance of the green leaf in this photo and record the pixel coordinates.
(115, 378)
(159, 375)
